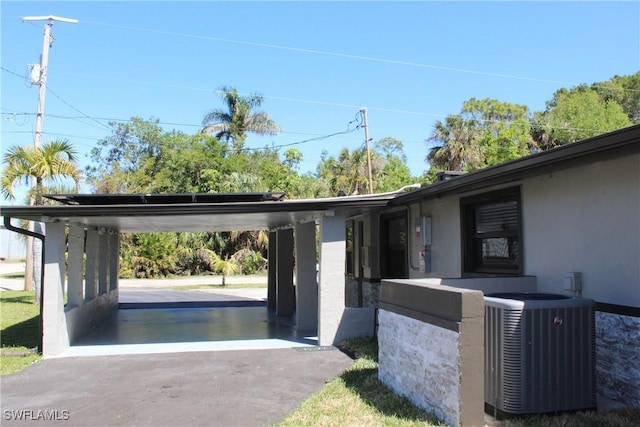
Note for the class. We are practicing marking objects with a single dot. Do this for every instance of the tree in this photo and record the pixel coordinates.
(503, 129)
(232, 124)
(128, 160)
(226, 267)
(152, 254)
(574, 115)
(625, 90)
(348, 173)
(51, 164)
(459, 147)
(486, 132)
(394, 173)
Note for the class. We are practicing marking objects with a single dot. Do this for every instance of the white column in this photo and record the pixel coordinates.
(306, 284)
(75, 260)
(332, 282)
(91, 269)
(55, 337)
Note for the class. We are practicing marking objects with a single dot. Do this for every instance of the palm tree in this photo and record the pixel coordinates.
(51, 163)
(226, 267)
(232, 124)
(460, 149)
(349, 174)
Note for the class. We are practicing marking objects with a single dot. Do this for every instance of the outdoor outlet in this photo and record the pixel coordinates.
(573, 282)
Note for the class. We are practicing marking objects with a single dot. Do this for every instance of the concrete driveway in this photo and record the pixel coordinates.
(227, 388)
(256, 386)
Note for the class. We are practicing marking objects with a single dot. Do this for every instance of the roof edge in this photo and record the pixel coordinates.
(606, 142)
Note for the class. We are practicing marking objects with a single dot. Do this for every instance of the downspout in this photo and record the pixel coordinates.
(8, 226)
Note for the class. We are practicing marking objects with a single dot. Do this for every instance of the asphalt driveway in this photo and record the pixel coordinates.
(223, 388)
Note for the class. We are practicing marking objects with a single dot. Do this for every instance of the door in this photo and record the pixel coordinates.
(394, 246)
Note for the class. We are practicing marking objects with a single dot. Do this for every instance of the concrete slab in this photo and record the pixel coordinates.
(227, 388)
(172, 321)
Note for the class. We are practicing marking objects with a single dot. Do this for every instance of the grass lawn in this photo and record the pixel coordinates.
(19, 321)
(358, 398)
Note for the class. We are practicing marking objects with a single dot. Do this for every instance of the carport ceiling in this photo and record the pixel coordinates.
(198, 216)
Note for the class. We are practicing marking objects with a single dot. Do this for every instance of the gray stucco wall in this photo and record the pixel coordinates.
(582, 219)
(585, 218)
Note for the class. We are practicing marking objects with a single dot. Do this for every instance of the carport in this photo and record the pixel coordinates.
(81, 248)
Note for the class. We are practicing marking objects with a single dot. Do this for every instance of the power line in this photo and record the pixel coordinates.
(336, 54)
(316, 138)
(328, 53)
(11, 72)
(75, 109)
(319, 138)
(279, 98)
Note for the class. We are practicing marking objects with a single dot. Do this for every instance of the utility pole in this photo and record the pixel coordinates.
(366, 140)
(44, 62)
(37, 139)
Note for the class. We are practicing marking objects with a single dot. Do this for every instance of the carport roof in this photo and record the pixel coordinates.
(144, 199)
(192, 212)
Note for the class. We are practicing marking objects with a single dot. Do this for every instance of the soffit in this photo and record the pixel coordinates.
(266, 215)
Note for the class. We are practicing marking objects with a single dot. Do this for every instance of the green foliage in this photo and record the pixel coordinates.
(348, 173)
(233, 123)
(394, 173)
(148, 255)
(459, 144)
(503, 129)
(227, 267)
(486, 132)
(574, 115)
(624, 90)
(139, 157)
(51, 164)
(250, 261)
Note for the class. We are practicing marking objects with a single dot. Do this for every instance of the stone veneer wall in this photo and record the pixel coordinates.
(618, 357)
(370, 293)
(351, 292)
(431, 348)
(420, 361)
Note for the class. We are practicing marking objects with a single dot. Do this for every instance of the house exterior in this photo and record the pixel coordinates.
(562, 221)
(565, 221)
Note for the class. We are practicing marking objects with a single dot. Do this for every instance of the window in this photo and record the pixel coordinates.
(491, 233)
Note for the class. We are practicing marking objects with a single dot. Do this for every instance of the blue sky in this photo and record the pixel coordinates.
(315, 63)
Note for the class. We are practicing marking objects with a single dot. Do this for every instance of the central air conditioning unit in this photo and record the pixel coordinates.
(539, 354)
